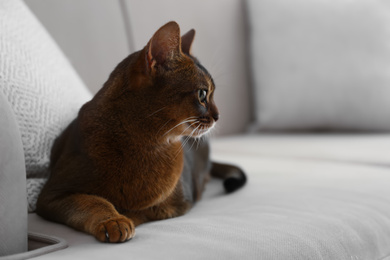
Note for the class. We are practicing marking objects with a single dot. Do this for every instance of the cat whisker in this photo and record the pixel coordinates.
(163, 126)
(192, 134)
(156, 111)
(189, 127)
(187, 120)
(200, 140)
(196, 138)
(214, 130)
(187, 138)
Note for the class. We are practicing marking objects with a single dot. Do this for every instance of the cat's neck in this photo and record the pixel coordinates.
(123, 136)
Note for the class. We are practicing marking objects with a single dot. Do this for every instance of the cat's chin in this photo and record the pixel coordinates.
(191, 131)
(202, 132)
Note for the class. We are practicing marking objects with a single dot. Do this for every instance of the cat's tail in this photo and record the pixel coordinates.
(234, 178)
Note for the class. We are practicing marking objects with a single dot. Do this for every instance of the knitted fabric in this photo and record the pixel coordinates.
(42, 87)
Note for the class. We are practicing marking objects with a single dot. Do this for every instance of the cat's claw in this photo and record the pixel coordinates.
(107, 237)
(115, 230)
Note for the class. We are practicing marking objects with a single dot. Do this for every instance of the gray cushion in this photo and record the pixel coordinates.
(321, 64)
(42, 87)
(13, 203)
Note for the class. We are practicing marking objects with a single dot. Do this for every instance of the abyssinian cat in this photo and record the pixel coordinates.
(128, 158)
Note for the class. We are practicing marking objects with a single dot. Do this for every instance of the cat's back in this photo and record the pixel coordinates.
(64, 143)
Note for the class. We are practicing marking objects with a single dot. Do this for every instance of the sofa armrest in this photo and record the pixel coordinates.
(13, 199)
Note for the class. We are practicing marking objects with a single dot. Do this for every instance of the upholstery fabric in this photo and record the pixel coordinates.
(43, 89)
(328, 207)
(320, 64)
(357, 148)
(13, 202)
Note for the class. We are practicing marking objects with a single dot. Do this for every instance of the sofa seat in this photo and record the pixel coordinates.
(362, 148)
(311, 196)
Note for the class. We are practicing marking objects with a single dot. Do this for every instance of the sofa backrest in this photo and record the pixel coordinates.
(97, 34)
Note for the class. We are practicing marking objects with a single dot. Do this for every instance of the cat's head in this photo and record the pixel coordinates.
(166, 89)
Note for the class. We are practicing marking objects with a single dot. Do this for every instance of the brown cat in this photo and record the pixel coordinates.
(127, 158)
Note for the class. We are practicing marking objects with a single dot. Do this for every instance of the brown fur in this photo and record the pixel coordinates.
(121, 162)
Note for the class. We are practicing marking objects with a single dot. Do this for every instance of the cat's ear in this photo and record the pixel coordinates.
(187, 40)
(164, 46)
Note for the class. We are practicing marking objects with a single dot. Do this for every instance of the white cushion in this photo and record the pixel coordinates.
(370, 149)
(321, 64)
(292, 207)
(41, 86)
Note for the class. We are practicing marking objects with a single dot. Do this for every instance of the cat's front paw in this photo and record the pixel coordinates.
(115, 230)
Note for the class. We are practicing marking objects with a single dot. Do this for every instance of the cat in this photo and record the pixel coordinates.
(132, 154)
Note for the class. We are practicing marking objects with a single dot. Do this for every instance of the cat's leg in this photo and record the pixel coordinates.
(174, 206)
(234, 178)
(88, 213)
(196, 170)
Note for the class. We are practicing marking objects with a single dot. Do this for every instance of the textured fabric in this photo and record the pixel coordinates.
(34, 187)
(328, 207)
(41, 86)
(369, 149)
(320, 64)
(13, 203)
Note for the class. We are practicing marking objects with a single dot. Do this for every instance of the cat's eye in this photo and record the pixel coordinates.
(202, 94)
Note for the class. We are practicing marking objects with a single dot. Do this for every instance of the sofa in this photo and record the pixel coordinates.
(303, 88)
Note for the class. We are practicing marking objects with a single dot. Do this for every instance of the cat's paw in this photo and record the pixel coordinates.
(115, 230)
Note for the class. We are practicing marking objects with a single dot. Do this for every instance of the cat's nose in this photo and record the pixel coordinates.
(216, 117)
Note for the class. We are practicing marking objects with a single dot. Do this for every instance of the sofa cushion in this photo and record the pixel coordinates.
(320, 64)
(13, 203)
(43, 89)
(357, 148)
(291, 208)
